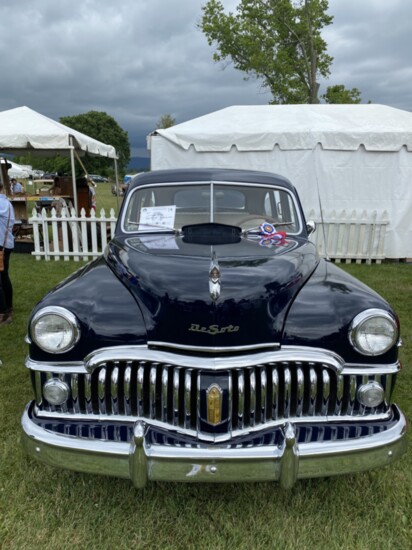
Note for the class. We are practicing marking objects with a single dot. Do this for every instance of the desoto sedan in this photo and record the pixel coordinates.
(210, 343)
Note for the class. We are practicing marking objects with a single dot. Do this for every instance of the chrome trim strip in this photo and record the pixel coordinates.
(378, 369)
(133, 353)
(75, 367)
(143, 353)
(230, 349)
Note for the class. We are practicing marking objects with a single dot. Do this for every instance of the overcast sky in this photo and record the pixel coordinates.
(139, 59)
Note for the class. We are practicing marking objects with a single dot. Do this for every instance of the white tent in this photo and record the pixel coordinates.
(23, 130)
(359, 156)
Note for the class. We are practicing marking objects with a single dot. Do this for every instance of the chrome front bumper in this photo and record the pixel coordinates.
(141, 461)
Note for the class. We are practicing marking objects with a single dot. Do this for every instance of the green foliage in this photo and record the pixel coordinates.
(103, 127)
(278, 41)
(339, 94)
(47, 164)
(165, 121)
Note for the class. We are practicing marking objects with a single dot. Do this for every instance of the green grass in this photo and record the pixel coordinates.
(105, 199)
(43, 507)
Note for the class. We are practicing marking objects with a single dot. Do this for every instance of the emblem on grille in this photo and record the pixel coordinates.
(214, 398)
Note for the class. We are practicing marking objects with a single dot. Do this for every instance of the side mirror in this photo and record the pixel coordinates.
(310, 227)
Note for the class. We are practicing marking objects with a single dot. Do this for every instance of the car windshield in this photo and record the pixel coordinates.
(170, 207)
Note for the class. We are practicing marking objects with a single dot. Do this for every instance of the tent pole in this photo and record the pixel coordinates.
(73, 175)
(81, 163)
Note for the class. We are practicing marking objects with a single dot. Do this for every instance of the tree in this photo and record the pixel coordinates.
(339, 94)
(104, 128)
(165, 121)
(278, 41)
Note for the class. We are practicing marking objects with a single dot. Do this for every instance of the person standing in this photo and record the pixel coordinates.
(6, 244)
(16, 187)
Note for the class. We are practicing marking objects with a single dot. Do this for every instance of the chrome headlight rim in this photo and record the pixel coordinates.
(364, 316)
(65, 314)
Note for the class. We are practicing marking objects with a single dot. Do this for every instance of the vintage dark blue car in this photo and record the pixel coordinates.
(211, 343)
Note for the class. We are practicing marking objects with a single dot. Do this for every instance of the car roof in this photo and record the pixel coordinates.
(208, 175)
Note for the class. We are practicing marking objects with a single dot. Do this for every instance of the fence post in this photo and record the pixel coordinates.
(75, 234)
(55, 233)
(36, 234)
(65, 233)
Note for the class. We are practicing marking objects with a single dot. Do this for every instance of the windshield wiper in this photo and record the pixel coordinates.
(257, 229)
(155, 227)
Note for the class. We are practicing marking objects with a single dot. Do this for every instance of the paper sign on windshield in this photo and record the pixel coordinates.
(161, 216)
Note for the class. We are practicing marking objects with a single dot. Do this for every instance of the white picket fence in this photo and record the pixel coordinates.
(354, 237)
(66, 235)
(350, 237)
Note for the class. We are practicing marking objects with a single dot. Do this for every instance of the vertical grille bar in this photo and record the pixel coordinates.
(187, 399)
(275, 393)
(87, 401)
(339, 394)
(152, 392)
(139, 389)
(74, 388)
(101, 392)
(313, 379)
(241, 399)
(325, 391)
(126, 386)
(252, 408)
(263, 394)
(300, 391)
(352, 394)
(114, 385)
(176, 387)
(165, 393)
(287, 392)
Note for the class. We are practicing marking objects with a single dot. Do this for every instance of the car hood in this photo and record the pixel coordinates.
(169, 278)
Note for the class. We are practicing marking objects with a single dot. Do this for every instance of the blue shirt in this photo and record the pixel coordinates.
(17, 187)
(5, 208)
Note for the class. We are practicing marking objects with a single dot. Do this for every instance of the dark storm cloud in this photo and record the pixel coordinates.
(137, 60)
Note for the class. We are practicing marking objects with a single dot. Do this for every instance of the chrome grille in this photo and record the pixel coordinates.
(168, 393)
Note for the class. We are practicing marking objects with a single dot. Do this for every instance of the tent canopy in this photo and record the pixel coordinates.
(25, 130)
(295, 127)
(357, 156)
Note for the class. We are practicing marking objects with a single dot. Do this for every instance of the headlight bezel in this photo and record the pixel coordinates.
(361, 319)
(64, 314)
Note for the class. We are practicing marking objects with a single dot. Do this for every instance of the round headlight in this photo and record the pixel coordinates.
(373, 332)
(55, 329)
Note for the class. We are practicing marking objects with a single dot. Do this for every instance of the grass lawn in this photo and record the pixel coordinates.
(44, 507)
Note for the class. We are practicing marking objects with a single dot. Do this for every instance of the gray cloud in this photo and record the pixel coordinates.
(137, 60)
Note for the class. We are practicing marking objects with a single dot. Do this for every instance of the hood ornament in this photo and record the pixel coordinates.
(214, 278)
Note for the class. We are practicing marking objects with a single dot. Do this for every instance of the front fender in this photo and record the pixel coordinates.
(321, 314)
(107, 312)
